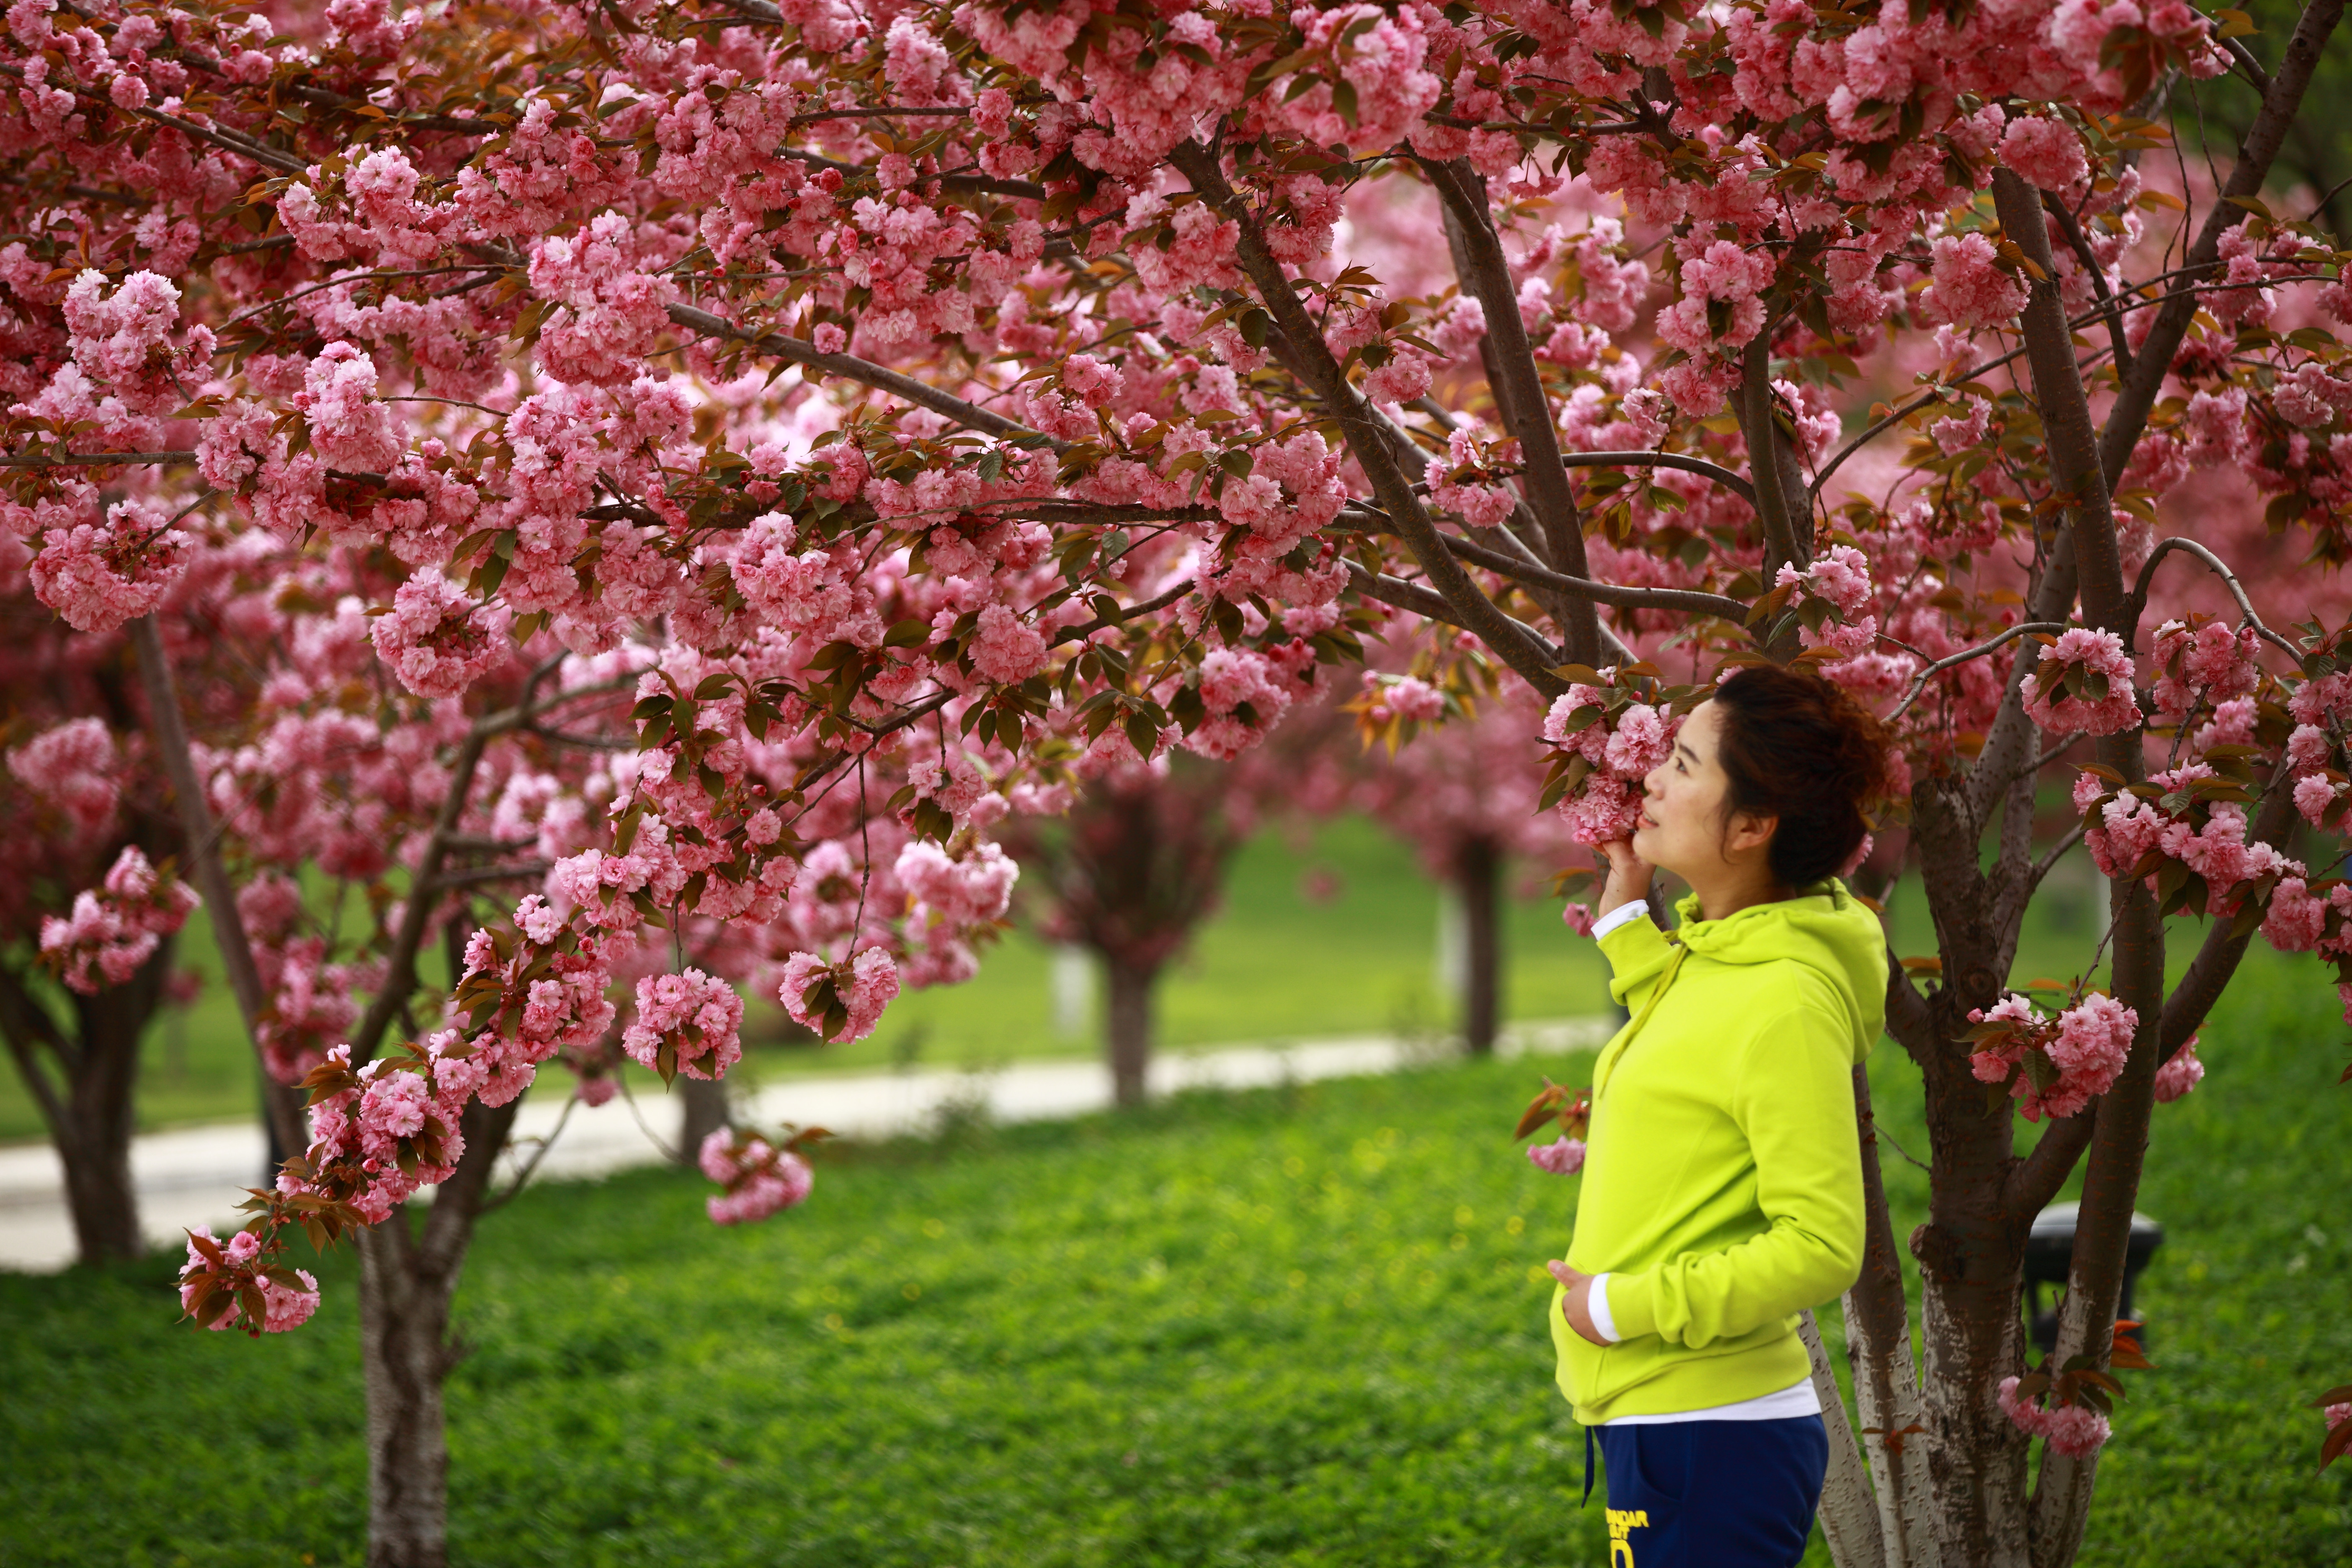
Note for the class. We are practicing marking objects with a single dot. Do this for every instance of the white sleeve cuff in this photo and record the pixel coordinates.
(1596, 1301)
(1626, 913)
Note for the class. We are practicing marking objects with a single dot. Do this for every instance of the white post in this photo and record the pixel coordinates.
(1072, 977)
(1449, 967)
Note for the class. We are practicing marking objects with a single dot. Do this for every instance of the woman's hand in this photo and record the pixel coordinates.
(1628, 878)
(1577, 1305)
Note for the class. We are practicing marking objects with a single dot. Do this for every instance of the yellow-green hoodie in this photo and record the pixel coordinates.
(1722, 1187)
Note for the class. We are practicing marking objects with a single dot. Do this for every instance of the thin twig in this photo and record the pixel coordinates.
(1919, 683)
(530, 1166)
(621, 1077)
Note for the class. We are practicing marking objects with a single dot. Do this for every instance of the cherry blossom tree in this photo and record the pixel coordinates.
(681, 474)
(1129, 873)
(91, 921)
(1465, 792)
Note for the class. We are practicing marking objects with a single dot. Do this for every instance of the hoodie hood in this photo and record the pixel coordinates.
(1828, 930)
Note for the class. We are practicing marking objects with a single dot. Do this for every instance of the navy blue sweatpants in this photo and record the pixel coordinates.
(1713, 1494)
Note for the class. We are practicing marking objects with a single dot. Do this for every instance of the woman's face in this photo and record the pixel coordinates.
(1681, 829)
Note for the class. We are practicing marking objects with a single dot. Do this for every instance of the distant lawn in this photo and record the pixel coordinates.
(1275, 1328)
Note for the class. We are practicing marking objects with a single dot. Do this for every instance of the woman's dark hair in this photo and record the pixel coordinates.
(1796, 747)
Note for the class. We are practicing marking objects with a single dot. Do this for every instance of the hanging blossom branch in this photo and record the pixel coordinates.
(2138, 602)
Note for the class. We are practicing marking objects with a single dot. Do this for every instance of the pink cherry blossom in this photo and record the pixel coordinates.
(2177, 1077)
(1563, 1158)
(436, 639)
(284, 1306)
(2096, 661)
(115, 928)
(2075, 1430)
(759, 1178)
(1971, 289)
(75, 768)
(693, 1018)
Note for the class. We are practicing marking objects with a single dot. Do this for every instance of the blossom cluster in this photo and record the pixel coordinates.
(116, 928)
(842, 1002)
(1609, 739)
(2185, 830)
(2075, 1430)
(2180, 1074)
(689, 1023)
(228, 1285)
(383, 1130)
(2081, 684)
(760, 1177)
(1563, 1157)
(2051, 1066)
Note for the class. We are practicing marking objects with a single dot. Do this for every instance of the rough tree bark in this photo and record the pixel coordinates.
(1478, 879)
(82, 1078)
(408, 1278)
(1885, 1380)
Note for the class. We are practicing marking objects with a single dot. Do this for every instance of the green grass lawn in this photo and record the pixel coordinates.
(1298, 1326)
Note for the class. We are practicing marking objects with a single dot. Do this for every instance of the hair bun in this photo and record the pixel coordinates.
(1800, 749)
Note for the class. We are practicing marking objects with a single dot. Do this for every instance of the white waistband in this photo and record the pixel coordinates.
(1798, 1399)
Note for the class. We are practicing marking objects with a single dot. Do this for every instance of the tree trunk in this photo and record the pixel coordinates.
(99, 1191)
(702, 1110)
(408, 1278)
(1128, 1026)
(1478, 876)
(1849, 1522)
(1971, 1272)
(87, 1101)
(1885, 1383)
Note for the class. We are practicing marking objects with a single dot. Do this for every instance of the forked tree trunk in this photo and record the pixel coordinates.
(83, 1080)
(1478, 879)
(408, 1278)
(1127, 1020)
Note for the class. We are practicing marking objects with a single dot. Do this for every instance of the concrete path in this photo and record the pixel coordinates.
(196, 1175)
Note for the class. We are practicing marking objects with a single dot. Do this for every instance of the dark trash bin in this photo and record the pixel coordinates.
(2049, 1250)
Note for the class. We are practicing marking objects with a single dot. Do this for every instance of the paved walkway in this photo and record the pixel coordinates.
(196, 1175)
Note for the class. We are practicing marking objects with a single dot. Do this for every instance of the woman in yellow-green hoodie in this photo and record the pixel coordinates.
(1722, 1188)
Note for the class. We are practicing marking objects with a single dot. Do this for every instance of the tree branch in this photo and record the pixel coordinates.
(849, 367)
(1590, 592)
(1019, 189)
(23, 1020)
(2137, 392)
(211, 878)
(94, 459)
(1515, 644)
(1689, 465)
(2136, 603)
(1519, 392)
(1401, 595)
(1783, 546)
(400, 969)
(2080, 244)
(2119, 1141)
